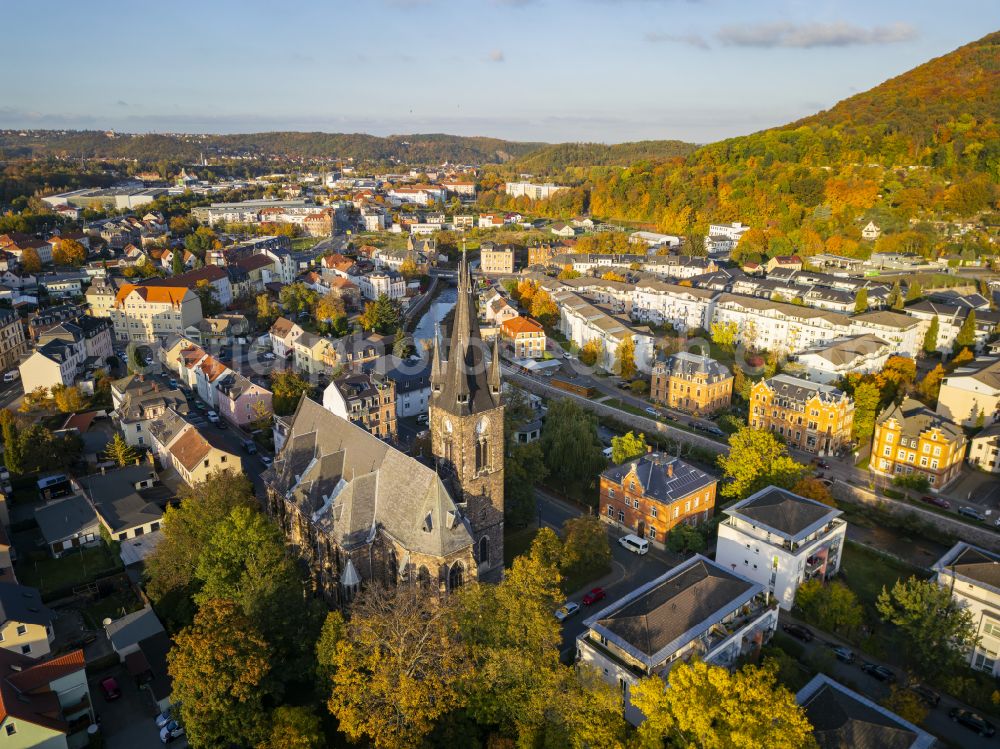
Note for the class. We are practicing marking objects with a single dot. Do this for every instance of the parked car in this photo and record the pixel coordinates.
(213, 417)
(972, 512)
(110, 688)
(714, 430)
(266, 461)
(172, 730)
(798, 632)
(634, 544)
(844, 655)
(972, 721)
(820, 463)
(936, 501)
(650, 410)
(11, 375)
(926, 694)
(623, 385)
(567, 610)
(165, 717)
(250, 446)
(595, 595)
(269, 356)
(173, 382)
(881, 673)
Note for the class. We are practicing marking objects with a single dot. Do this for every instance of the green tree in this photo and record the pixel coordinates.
(380, 316)
(177, 261)
(210, 304)
(628, 446)
(966, 337)
(398, 669)
(906, 704)
(333, 631)
(13, 453)
(592, 352)
(935, 632)
(244, 560)
(931, 336)
(524, 469)
(586, 551)
(913, 291)
(294, 728)
(187, 528)
(330, 313)
(219, 667)
(757, 459)
(895, 298)
(683, 538)
(287, 388)
(296, 298)
(573, 453)
(861, 301)
(832, 606)
(625, 358)
(120, 451)
(267, 310)
(866, 404)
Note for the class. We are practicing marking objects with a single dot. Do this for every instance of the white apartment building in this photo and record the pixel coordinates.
(684, 307)
(697, 609)
(283, 334)
(731, 231)
(904, 333)
(950, 319)
(652, 239)
(776, 326)
(144, 314)
(390, 283)
(531, 190)
(373, 220)
(972, 389)
(984, 449)
(780, 540)
(581, 322)
(972, 575)
(827, 363)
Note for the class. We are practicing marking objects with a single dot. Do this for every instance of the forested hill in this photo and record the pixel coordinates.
(963, 85)
(561, 156)
(428, 149)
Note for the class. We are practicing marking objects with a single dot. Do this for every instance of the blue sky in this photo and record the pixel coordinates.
(548, 70)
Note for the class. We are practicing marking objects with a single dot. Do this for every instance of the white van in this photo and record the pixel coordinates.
(634, 544)
(11, 375)
(607, 452)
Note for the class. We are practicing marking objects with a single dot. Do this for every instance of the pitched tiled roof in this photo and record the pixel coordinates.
(662, 477)
(516, 325)
(787, 513)
(153, 294)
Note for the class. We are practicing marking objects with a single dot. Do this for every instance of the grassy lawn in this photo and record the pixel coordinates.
(114, 606)
(75, 568)
(867, 572)
(517, 542)
(583, 579)
(304, 243)
(622, 406)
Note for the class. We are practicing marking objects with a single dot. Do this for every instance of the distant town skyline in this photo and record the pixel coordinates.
(539, 70)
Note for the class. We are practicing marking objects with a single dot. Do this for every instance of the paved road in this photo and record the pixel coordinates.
(850, 674)
(628, 571)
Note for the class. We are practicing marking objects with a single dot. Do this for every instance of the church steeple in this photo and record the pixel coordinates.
(466, 383)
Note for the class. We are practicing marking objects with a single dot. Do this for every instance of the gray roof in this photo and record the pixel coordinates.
(118, 502)
(132, 628)
(801, 391)
(22, 603)
(915, 419)
(843, 718)
(844, 351)
(665, 614)
(349, 484)
(65, 518)
(662, 476)
(787, 514)
(686, 365)
(973, 563)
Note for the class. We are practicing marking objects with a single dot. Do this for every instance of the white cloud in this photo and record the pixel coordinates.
(692, 40)
(808, 35)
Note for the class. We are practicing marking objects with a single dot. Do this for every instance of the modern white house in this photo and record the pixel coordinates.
(970, 390)
(780, 540)
(827, 363)
(697, 609)
(387, 282)
(972, 575)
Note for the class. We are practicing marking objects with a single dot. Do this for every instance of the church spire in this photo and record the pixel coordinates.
(466, 384)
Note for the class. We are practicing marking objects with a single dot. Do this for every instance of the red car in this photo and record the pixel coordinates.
(110, 688)
(936, 501)
(597, 594)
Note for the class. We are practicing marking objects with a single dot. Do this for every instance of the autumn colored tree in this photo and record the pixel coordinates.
(69, 252)
(930, 386)
(543, 308)
(812, 488)
(120, 451)
(296, 298)
(568, 274)
(13, 452)
(628, 446)
(294, 728)
(267, 310)
(895, 297)
(585, 547)
(398, 669)
(330, 313)
(625, 365)
(913, 291)
(866, 405)
(219, 667)
(408, 269)
(757, 459)
(906, 704)
(724, 335)
(592, 352)
(861, 301)
(711, 708)
(332, 632)
(612, 276)
(68, 399)
(30, 261)
(525, 293)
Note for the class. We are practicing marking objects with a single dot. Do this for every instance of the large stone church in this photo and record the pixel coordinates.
(355, 509)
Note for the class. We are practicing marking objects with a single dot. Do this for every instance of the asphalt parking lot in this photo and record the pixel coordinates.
(128, 722)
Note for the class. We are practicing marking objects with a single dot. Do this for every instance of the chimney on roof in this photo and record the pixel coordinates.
(670, 469)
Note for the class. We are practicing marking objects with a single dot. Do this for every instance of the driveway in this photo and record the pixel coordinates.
(127, 723)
